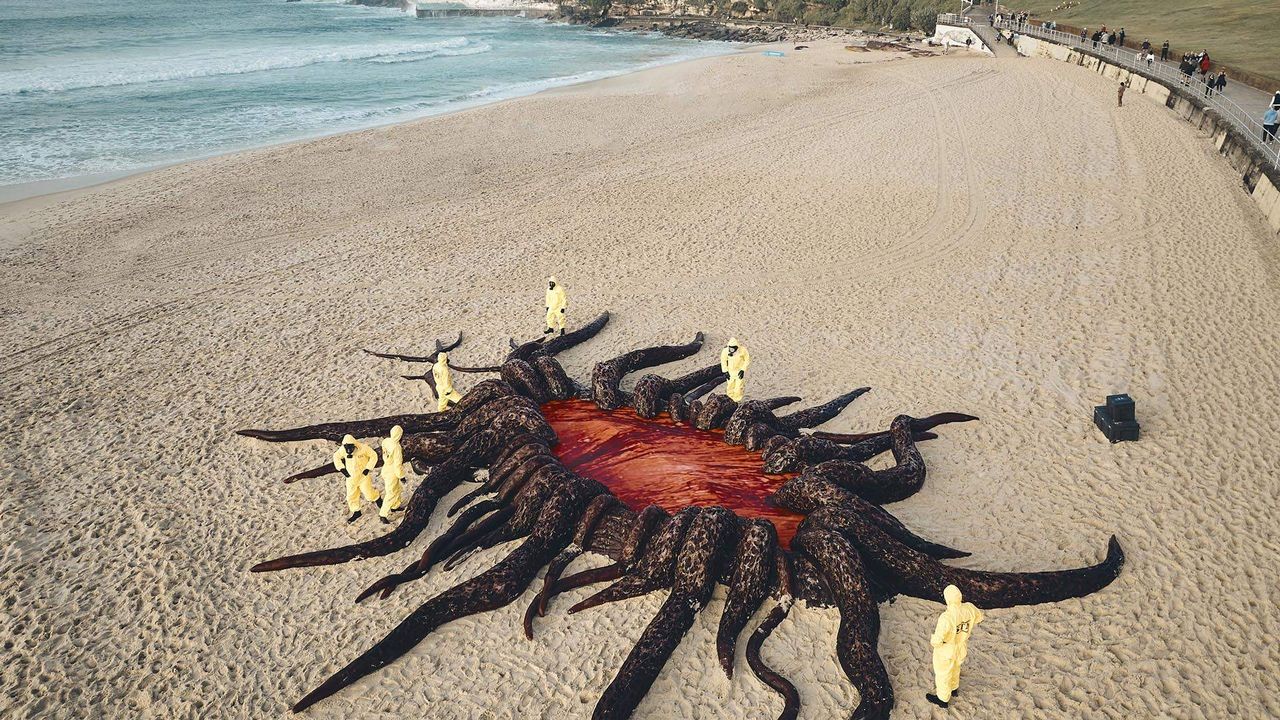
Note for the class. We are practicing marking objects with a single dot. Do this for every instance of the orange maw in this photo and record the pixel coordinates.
(659, 462)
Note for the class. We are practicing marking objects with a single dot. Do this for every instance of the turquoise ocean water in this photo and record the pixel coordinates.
(92, 87)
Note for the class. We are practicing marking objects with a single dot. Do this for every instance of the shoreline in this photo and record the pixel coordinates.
(15, 194)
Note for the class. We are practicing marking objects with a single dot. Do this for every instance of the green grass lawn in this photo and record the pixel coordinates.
(1240, 33)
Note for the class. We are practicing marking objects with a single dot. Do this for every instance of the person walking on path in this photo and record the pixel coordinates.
(1084, 34)
(1164, 52)
(1204, 62)
(1120, 95)
(1270, 122)
(1209, 80)
(1120, 38)
(1146, 45)
(1221, 83)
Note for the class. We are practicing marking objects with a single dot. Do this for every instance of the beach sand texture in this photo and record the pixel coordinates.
(990, 236)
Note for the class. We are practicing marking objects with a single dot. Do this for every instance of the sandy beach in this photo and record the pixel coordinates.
(984, 235)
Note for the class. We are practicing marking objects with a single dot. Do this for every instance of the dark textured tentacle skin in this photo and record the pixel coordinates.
(880, 486)
(807, 493)
(492, 589)
(590, 518)
(526, 380)
(859, 630)
(680, 406)
(559, 386)
(440, 347)
(557, 345)
(920, 576)
(333, 432)
(815, 416)
(696, 571)
(754, 419)
(792, 454)
(712, 413)
(766, 674)
(653, 569)
(440, 480)
(652, 392)
(434, 551)
(478, 396)
(640, 532)
(316, 472)
(748, 586)
(608, 374)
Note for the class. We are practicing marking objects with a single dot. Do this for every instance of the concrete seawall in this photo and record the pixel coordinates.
(1259, 176)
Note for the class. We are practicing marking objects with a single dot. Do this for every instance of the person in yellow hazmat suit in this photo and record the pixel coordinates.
(394, 469)
(445, 394)
(355, 460)
(950, 643)
(734, 360)
(556, 303)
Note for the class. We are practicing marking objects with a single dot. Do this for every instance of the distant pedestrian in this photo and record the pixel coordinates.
(1221, 83)
(1120, 38)
(1164, 51)
(1111, 38)
(1150, 59)
(1270, 122)
(1120, 95)
(1146, 45)
(1209, 80)
(1204, 62)
(1084, 34)
(1096, 38)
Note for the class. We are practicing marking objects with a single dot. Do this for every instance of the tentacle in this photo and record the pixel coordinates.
(595, 511)
(604, 573)
(748, 586)
(471, 540)
(790, 696)
(696, 571)
(608, 374)
(652, 569)
(785, 455)
(918, 575)
(421, 358)
(680, 405)
(880, 486)
(526, 505)
(315, 472)
(712, 413)
(559, 385)
(652, 392)
(557, 345)
(477, 397)
(815, 416)
(440, 480)
(526, 380)
(808, 492)
(859, 618)
(490, 590)
(374, 427)
(434, 551)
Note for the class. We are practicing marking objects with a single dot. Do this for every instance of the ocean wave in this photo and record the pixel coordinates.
(442, 52)
(214, 64)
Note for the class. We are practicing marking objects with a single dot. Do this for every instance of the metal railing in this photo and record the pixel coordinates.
(953, 19)
(1249, 124)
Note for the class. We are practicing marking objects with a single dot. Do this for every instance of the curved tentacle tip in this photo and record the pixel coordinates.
(1115, 554)
(699, 337)
(384, 585)
(268, 566)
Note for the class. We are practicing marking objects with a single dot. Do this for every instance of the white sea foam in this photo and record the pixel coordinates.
(210, 64)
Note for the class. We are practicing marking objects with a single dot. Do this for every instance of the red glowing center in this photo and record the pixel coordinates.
(659, 462)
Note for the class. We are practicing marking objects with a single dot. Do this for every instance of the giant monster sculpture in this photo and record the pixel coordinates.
(847, 551)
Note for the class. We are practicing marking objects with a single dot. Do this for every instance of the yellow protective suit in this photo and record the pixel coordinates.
(950, 641)
(734, 360)
(356, 460)
(394, 469)
(445, 394)
(556, 303)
